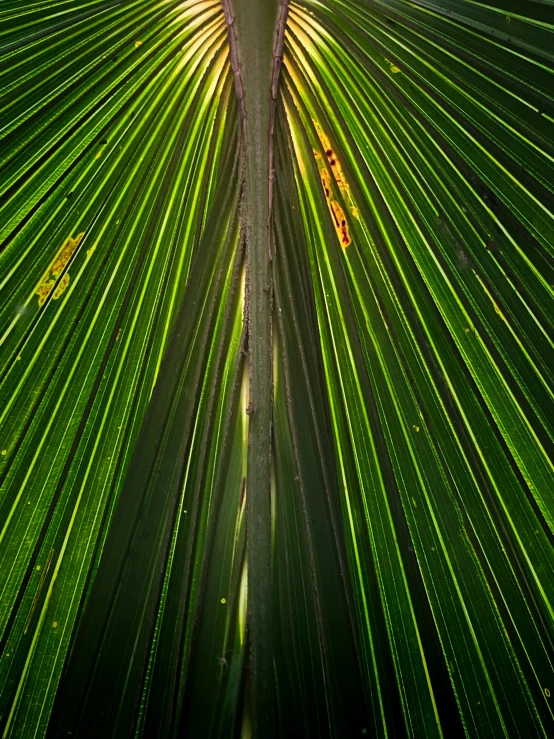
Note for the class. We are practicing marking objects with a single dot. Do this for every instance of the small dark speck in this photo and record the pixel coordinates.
(489, 198)
(114, 58)
(103, 143)
(69, 195)
(132, 114)
(492, 246)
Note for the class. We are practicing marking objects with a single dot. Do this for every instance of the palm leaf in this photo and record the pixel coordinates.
(300, 483)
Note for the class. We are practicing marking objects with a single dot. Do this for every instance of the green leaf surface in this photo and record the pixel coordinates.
(400, 529)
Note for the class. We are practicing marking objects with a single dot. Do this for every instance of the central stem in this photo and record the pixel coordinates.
(256, 30)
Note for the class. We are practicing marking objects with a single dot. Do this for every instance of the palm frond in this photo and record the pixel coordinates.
(133, 128)
(373, 543)
(428, 245)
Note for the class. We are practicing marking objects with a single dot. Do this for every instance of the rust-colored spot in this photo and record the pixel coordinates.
(340, 224)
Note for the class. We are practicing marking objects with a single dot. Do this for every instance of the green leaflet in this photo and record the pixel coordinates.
(319, 671)
(167, 508)
(412, 443)
(85, 364)
(405, 328)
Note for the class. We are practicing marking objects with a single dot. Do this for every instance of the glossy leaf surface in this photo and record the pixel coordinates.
(412, 273)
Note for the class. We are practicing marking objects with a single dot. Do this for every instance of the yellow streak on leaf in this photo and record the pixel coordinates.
(64, 282)
(65, 255)
(331, 157)
(44, 290)
(326, 182)
(337, 212)
(48, 282)
(341, 226)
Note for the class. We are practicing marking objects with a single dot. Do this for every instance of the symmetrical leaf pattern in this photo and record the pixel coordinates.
(412, 487)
